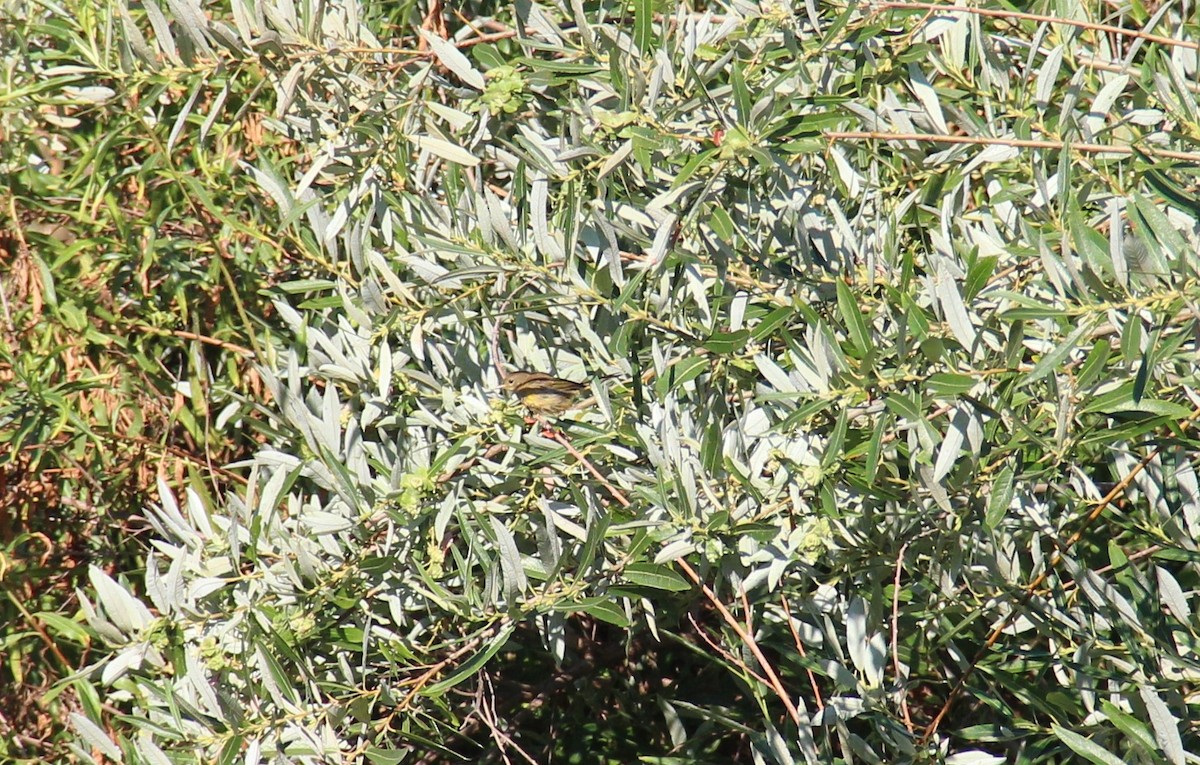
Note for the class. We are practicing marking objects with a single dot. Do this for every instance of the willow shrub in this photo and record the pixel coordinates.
(871, 392)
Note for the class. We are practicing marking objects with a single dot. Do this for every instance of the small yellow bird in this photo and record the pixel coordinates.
(543, 394)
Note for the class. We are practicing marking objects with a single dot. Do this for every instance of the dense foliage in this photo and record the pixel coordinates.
(890, 315)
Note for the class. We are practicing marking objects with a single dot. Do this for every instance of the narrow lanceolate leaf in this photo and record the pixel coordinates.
(454, 60)
(95, 736)
(728, 342)
(875, 448)
(126, 612)
(928, 97)
(605, 610)
(1001, 498)
(1172, 595)
(1047, 75)
(955, 311)
(643, 25)
(1121, 399)
(446, 150)
(856, 325)
(1053, 361)
(1157, 222)
(950, 384)
(656, 576)
(510, 560)
(1135, 730)
(1166, 727)
(271, 182)
(956, 434)
(771, 322)
(856, 632)
(1086, 748)
(1144, 367)
(474, 664)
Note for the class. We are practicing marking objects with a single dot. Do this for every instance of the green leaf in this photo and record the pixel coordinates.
(474, 664)
(741, 95)
(701, 160)
(839, 24)
(279, 642)
(1155, 221)
(710, 447)
(875, 448)
(905, 405)
(1032, 313)
(682, 372)
(1086, 748)
(1053, 360)
(622, 338)
(726, 343)
(95, 736)
(833, 448)
(949, 384)
(771, 322)
(811, 145)
(803, 414)
(1143, 373)
(856, 326)
(1090, 245)
(1000, 499)
(978, 274)
(1135, 730)
(1122, 399)
(595, 537)
(1123, 429)
(559, 66)
(1177, 554)
(64, 627)
(488, 56)
(1178, 196)
(1093, 365)
(643, 26)
(49, 293)
(231, 750)
(631, 288)
(722, 225)
(604, 610)
(657, 576)
(386, 757)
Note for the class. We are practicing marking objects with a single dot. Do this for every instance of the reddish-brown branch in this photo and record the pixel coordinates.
(773, 680)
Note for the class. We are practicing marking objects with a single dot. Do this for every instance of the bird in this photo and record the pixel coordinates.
(543, 394)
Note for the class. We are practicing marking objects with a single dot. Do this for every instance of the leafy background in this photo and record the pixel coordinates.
(890, 313)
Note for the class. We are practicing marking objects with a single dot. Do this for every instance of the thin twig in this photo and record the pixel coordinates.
(616, 493)
(194, 336)
(488, 38)
(812, 679)
(486, 712)
(746, 609)
(431, 673)
(36, 625)
(900, 683)
(773, 681)
(720, 649)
